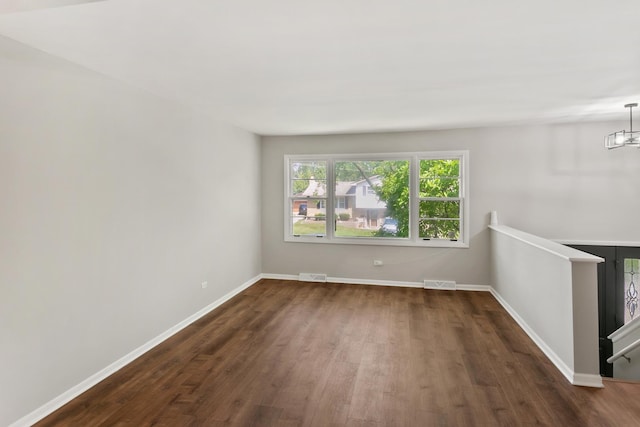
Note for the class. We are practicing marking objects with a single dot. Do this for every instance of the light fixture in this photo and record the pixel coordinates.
(622, 138)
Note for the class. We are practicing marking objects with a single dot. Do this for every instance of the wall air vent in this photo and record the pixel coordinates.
(448, 285)
(312, 277)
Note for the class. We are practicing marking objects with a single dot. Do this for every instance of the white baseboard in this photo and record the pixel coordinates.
(574, 378)
(352, 281)
(475, 288)
(348, 281)
(372, 282)
(587, 380)
(279, 276)
(94, 379)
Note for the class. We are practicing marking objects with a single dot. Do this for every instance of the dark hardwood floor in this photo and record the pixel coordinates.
(309, 354)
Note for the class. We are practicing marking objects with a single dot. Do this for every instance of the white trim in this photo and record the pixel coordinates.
(574, 378)
(279, 276)
(372, 282)
(375, 282)
(597, 242)
(473, 288)
(348, 281)
(564, 252)
(587, 380)
(379, 241)
(94, 379)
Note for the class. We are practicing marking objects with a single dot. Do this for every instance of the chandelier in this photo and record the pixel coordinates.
(622, 138)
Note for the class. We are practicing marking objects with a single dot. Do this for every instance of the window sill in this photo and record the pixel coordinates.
(379, 242)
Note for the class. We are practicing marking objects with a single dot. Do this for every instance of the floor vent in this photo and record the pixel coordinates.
(312, 277)
(448, 285)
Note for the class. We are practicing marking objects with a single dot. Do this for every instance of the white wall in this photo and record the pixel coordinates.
(556, 181)
(115, 206)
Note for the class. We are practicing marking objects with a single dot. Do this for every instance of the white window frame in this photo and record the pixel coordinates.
(414, 200)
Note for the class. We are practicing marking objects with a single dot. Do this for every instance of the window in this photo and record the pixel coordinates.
(440, 201)
(364, 183)
(307, 198)
(409, 199)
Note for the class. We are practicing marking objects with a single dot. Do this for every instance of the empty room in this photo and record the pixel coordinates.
(305, 213)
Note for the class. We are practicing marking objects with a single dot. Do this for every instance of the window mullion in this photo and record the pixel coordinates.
(414, 199)
(330, 208)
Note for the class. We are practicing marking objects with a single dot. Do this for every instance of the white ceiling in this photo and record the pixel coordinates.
(11, 6)
(330, 66)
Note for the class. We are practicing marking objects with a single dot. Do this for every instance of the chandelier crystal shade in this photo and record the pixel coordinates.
(623, 138)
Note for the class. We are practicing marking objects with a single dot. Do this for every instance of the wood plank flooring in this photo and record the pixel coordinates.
(288, 353)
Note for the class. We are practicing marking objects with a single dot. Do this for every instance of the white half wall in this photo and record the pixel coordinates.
(115, 206)
(552, 292)
(553, 180)
(537, 287)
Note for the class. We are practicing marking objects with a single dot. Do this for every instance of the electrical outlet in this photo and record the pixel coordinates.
(204, 285)
(377, 262)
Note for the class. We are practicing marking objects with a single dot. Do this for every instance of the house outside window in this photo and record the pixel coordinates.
(403, 199)
(306, 198)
